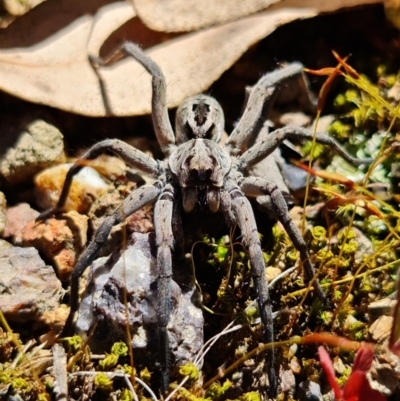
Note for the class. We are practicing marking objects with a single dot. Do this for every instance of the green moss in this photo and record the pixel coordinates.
(145, 375)
(74, 343)
(318, 234)
(345, 235)
(189, 370)
(185, 394)
(325, 317)
(250, 396)
(291, 257)
(338, 129)
(108, 362)
(345, 376)
(324, 255)
(103, 382)
(21, 384)
(337, 295)
(349, 248)
(317, 151)
(128, 370)
(119, 349)
(216, 390)
(126, 395)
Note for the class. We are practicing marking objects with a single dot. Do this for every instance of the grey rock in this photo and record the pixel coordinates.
(288, 382)
(59, 240)
(381, 307)
(5, 244)
(18, 217)
(132, 276)
(381, 328)
(330, 396)
(309, 391)
(28, 288)
(365, 246)
(30, 149)
(384, 374)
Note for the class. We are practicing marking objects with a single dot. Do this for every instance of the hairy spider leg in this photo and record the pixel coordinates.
(245, 219)
(163, 212)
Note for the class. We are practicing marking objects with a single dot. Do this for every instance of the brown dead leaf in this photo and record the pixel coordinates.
(43, 55)
(17, 7)
(190, 15)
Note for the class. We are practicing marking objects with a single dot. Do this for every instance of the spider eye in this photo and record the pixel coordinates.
(203, 105)
(201, 112)
(201, 176)
(198, 132)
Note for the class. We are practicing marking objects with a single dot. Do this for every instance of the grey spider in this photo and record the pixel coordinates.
(199, 173)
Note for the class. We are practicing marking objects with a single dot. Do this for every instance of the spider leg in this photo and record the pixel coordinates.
(136, 200)
(132, 156)
(255, 186)
(271, 167)
(258, 96)
(163, 218)
(244, 216)
(265, 147)
(162, 125)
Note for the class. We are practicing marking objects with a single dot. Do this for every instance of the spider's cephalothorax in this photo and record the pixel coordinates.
(204, 174)
(200, 165)
(199, 117)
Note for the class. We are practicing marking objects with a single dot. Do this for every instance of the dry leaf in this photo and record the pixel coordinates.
(43, 55)
(18, 7)
(191, 15)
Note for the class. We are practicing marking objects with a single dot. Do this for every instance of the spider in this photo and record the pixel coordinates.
(198, 172)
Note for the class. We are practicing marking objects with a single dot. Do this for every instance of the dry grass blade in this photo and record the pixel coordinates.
(60, 372)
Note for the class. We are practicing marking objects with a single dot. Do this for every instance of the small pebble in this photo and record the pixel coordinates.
(271, 272)
(297, 119)
(295, 365)
(60, 240)
(309, 391)
(381, 307)
(381, 328)
(288, 381)
(32, 288)
(37, 146)
(86, 186)
(18, 217)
